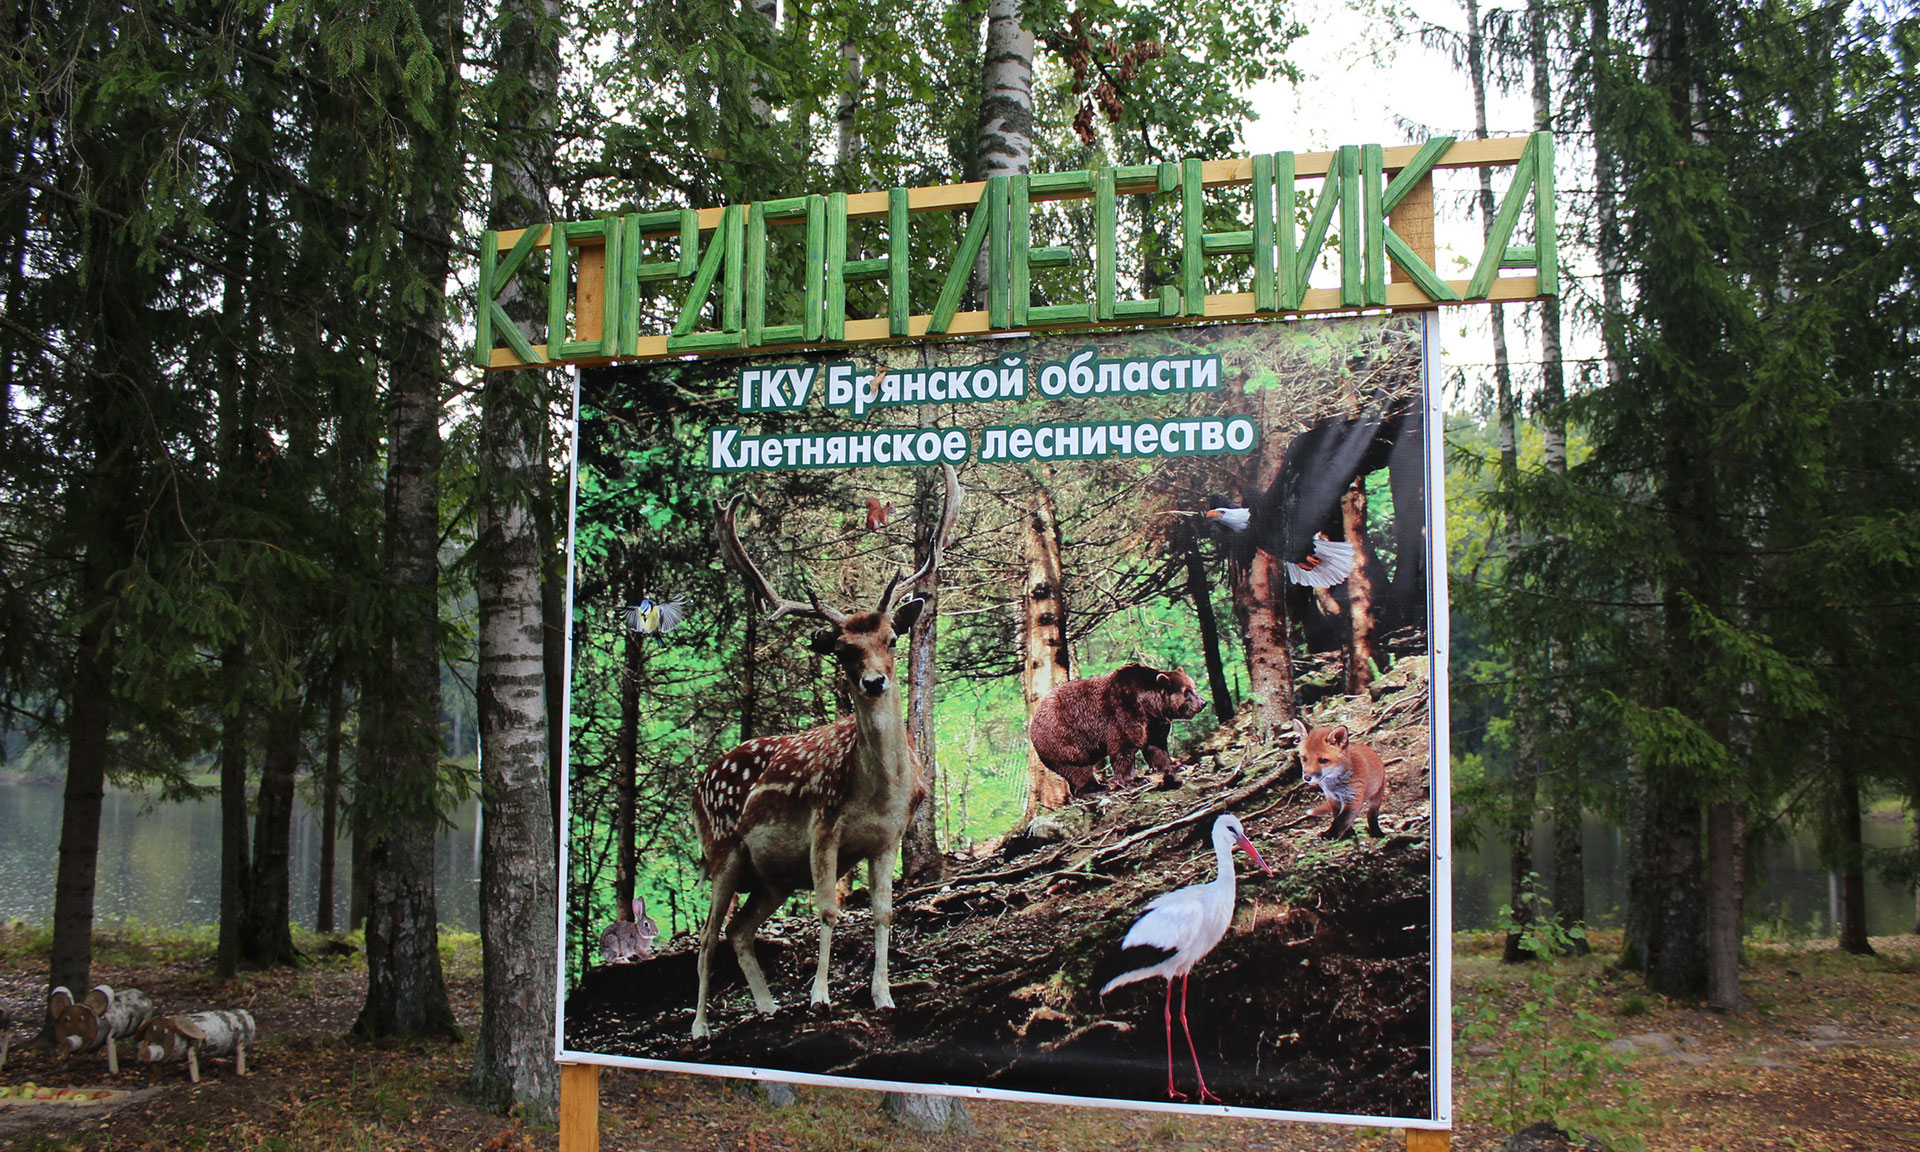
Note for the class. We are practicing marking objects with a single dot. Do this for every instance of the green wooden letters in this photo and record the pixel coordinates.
(710, 271)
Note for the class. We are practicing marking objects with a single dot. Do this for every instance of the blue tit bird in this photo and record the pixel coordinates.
(656, 617)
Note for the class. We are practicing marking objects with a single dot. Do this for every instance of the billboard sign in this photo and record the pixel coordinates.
(966, 674)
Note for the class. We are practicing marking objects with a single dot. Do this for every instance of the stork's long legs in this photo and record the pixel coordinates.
(1204, 1094)
(1172, 1093)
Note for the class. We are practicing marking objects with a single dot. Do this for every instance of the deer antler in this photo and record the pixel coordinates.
(948, 517)
(757, 584)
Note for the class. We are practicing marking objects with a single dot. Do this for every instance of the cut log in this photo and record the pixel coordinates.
(166, 1039)
(103, 1019)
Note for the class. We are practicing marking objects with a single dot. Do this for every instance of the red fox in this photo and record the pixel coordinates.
(1350, 774)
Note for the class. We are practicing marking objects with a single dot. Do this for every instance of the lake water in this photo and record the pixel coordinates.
(160, 864)
(1789, 889)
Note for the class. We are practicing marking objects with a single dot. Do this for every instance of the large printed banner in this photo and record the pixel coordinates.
(1074, 697)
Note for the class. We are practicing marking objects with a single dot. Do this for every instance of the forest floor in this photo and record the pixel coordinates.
(1825, 1060)
(997, 966)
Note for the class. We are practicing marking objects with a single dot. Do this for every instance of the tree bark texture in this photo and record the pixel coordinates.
(513, 1064)
(268, 939)
(1004, 140)
(1670, 848)
(1003, 137)
(1263, 605)
(399, 776)
(113, 422)
(846, 113)
(1569, 854)
(406, 989)
(1852, 926)
(1726, 906)
(626, 785)
(1046, 662)
(1188, 541)
(234, 863)
(513, 1058)
(70, 962)
(330, 797)
(921, 860)
(1521, 801)
(1361, 655)
(1553, 389)
(553, 600)
(1636, 927)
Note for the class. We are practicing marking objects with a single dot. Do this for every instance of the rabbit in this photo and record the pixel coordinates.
(626, 941)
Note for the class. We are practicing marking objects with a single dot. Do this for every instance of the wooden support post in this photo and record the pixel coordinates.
(1429, 1140)
(1412, 221)
(589, 295)
(579, 1108)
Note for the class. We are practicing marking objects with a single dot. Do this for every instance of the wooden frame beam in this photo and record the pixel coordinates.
(1401, 297)
(1377, 201)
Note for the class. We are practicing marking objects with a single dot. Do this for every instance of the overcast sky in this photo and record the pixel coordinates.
(1366, 84)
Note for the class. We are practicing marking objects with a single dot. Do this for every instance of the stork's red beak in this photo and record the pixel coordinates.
(1247, 845)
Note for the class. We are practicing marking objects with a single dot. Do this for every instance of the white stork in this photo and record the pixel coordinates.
(1179, 928)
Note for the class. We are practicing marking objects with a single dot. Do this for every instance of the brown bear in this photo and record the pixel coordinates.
(1083, 722)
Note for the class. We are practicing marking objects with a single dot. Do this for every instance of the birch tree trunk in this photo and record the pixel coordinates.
(1046, 662)
(1524, 785)
(513, 1055)
(1606, 188)
(921, 860)
(513, 1065)
(758, 106)
(1004, 140)
(846, 114)
(1565, 788)
(398, 777)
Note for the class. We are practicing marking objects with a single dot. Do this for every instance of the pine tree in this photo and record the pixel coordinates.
(1680, 554)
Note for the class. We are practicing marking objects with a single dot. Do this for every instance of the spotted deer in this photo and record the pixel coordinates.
(783, 813)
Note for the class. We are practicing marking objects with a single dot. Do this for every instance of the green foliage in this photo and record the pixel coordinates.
(1551, 1059)
(1718, 590)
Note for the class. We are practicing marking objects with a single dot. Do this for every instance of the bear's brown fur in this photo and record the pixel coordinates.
(1130, 709)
